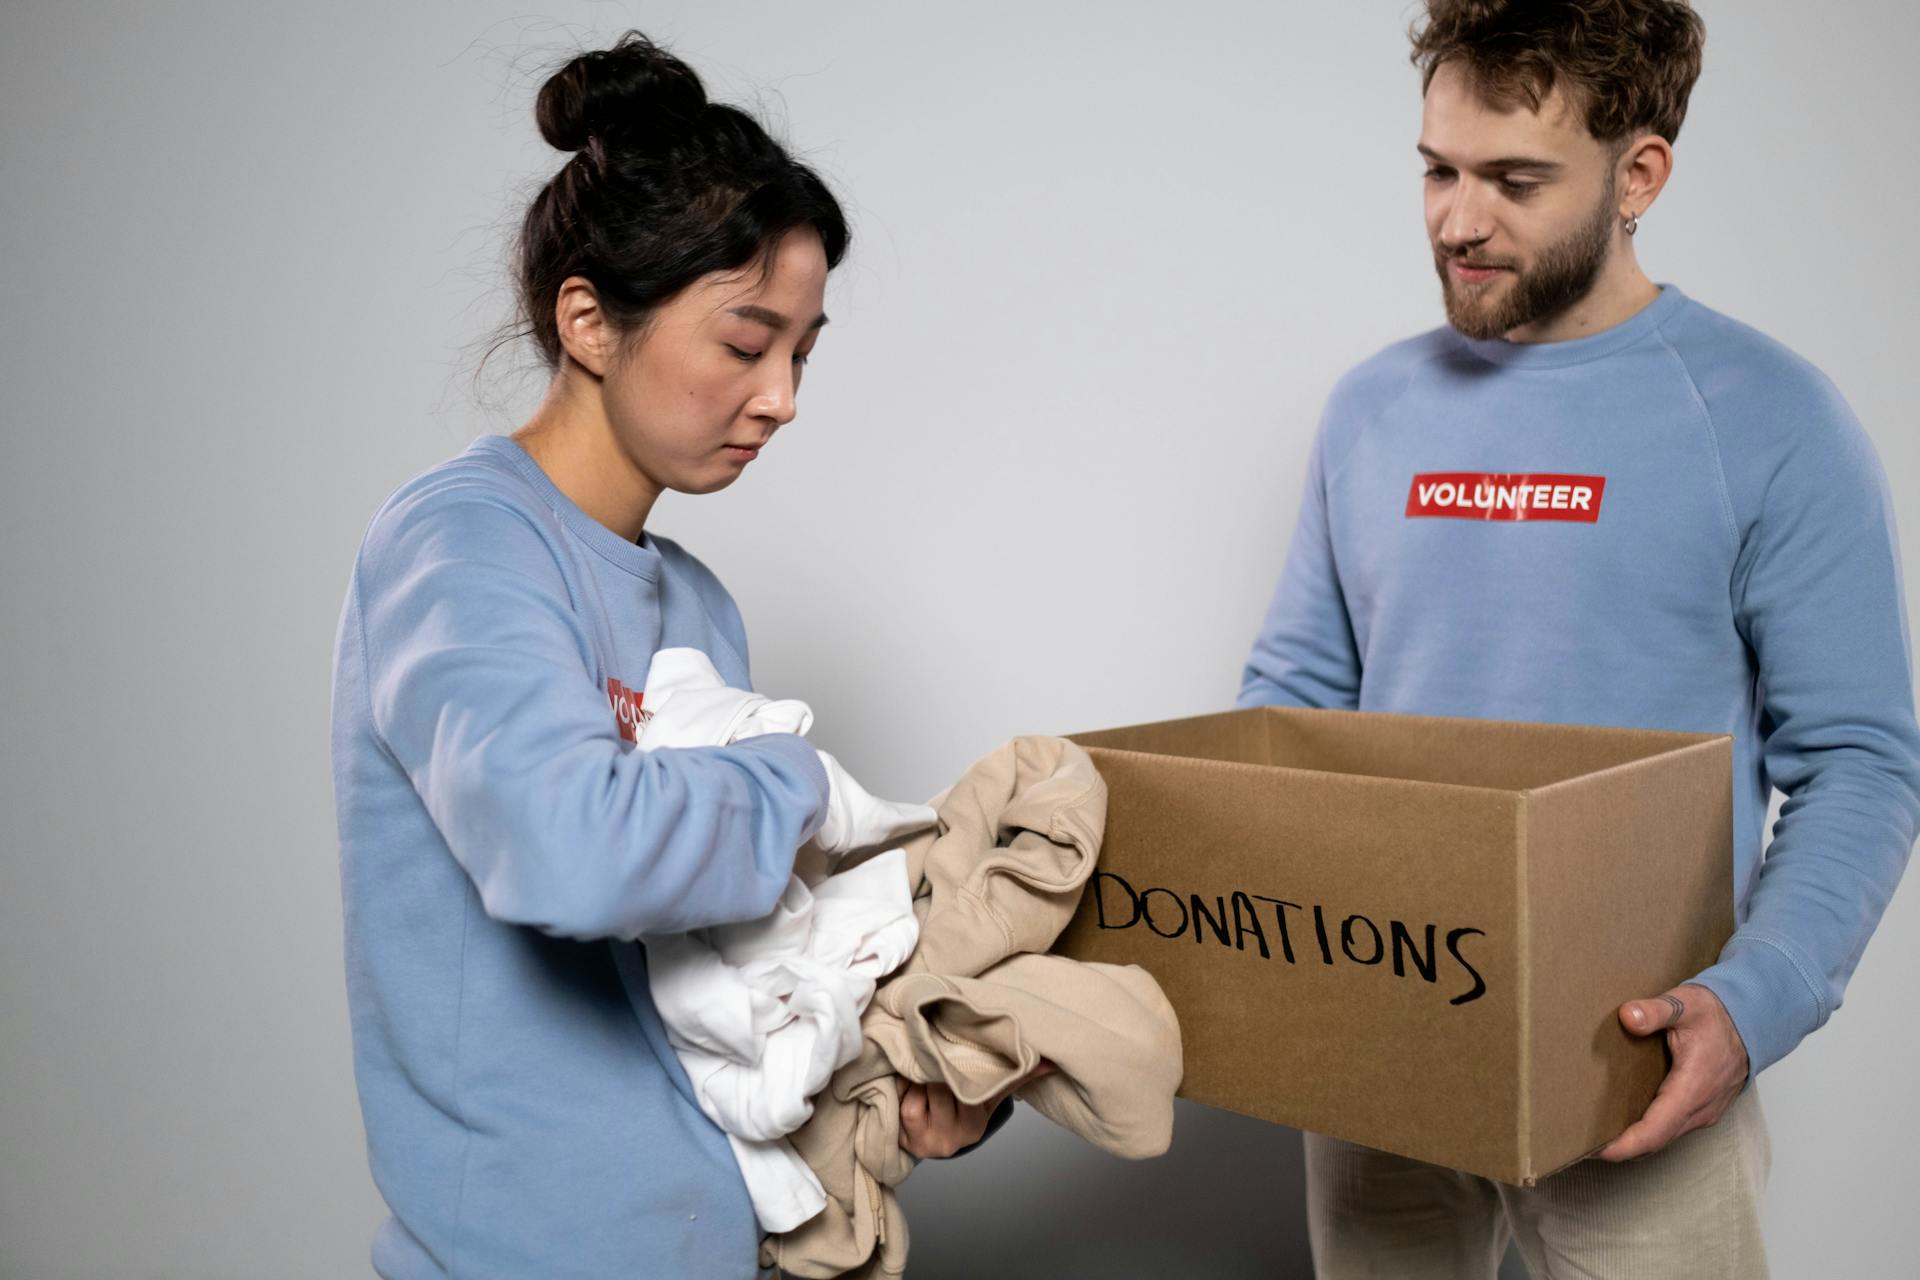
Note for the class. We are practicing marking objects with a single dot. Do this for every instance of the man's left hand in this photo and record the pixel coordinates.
(1709, 1068)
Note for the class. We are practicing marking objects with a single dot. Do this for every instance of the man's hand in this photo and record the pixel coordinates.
(1709, 1068)
(934, 1124)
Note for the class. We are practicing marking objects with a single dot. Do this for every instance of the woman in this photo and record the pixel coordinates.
(501, 845)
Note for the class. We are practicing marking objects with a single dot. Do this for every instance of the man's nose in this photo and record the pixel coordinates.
(1468, 220)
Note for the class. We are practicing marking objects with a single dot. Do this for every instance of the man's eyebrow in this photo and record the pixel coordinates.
(1504, 164)
(770, 318)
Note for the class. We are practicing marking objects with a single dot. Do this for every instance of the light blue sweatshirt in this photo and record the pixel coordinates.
(1673, 524)
(500, 847)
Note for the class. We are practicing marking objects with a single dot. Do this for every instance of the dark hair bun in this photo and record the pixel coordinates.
(663, 188)
(632, 90)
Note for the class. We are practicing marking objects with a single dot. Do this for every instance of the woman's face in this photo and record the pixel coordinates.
(697, 392)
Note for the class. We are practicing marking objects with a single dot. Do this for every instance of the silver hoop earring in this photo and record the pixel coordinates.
(1632, 223)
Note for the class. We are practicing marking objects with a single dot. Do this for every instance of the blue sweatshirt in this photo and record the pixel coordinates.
(501, 846)
(1672, 524)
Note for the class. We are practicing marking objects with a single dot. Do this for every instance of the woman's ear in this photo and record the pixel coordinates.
(586, 334)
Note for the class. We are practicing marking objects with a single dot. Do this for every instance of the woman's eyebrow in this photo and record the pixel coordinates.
(770, 318)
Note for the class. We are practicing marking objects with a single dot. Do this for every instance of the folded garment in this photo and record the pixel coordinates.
(1107, 1029)
(858, 819)
(761, 1013)
(977, 1010)
(1018, 839)
(687, 704)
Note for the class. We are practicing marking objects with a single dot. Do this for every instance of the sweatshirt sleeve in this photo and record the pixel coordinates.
(1818, 599)
(482, 685)
(1305, 654)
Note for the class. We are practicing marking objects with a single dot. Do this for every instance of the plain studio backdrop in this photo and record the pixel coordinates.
(1109, 258)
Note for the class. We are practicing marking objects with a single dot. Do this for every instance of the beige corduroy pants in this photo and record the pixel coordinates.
(1689, 1212)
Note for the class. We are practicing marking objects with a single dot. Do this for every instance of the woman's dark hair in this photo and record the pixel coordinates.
(664, 187)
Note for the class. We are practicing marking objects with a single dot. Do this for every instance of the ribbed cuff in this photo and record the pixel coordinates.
(1770, 995)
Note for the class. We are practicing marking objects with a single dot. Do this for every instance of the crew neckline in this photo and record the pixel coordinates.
(1553, 355)
(641, 558)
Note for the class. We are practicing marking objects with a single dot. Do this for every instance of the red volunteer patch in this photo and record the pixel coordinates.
(1480, 495)
(627, 708)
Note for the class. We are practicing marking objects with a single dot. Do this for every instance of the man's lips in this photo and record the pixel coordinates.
(1474, 272)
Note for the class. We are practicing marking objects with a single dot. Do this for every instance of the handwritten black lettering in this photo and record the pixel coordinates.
(1216, 919)
(1118, 905)
(1479, 983)
(1146, 906)
(1249, 923)
(1280, 906)
(1100, 899)
(1404, 950)
(1346, 940)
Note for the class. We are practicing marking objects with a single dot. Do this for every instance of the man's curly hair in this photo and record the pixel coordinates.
(1630, 64)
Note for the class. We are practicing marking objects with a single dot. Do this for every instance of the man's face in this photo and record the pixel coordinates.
(1520, 205)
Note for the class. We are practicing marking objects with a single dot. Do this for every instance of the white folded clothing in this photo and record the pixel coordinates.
(686, 704)
(763, 1012)
(858, 819)
(785, 1191)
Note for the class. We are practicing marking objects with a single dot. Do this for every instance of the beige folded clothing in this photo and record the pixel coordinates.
(978, 1005)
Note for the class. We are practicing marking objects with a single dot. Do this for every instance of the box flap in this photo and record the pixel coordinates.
(1504, 754)
(1507, 755)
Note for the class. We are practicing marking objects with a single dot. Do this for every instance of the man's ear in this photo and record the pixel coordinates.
(1644, 167)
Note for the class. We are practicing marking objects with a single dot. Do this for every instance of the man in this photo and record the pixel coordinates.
(1590, 499)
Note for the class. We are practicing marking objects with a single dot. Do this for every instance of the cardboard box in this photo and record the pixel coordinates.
(1413, 932)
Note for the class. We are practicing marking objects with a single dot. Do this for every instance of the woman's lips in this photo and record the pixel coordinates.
(742, 452)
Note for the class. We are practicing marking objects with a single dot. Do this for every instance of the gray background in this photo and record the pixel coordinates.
(1110, 258)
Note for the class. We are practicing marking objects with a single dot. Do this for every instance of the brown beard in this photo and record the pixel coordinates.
(1561, 277)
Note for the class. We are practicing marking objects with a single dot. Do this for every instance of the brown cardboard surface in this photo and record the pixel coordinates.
(1630, 886)
(1405, 930)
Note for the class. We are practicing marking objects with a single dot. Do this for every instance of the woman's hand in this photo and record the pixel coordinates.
(934, 1124)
